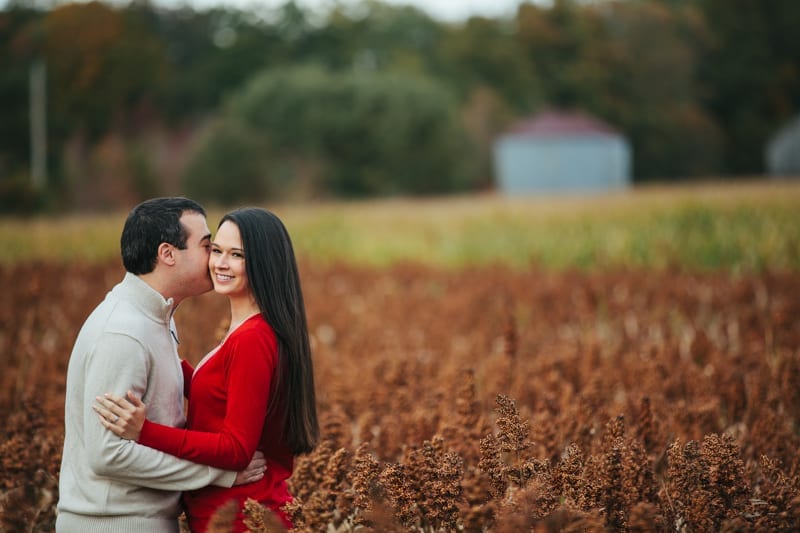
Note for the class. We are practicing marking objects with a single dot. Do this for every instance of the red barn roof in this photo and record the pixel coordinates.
(551, 123)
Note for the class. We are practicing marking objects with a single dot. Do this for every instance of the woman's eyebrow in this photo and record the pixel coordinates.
(236, 248)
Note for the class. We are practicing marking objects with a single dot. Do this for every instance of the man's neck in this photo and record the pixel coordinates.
(157, 284)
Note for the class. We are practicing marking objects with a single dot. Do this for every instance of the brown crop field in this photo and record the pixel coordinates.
(481, 398)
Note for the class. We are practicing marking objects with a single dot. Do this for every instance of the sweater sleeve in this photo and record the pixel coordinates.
(118, 363)
(188, 370)
(249, 366)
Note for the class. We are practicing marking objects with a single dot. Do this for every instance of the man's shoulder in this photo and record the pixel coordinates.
(121, 316)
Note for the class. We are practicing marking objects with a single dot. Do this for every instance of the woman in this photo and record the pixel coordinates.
(255, 391)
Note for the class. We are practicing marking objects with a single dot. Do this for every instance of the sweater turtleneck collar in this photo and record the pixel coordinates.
(142, 295)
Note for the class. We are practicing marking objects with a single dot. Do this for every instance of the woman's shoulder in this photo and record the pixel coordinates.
(253, 340)
(254, 328)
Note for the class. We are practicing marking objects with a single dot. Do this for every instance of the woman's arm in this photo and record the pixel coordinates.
(128, 425)
(250, 364)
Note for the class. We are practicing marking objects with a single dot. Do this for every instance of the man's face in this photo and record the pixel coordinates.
(192, 262)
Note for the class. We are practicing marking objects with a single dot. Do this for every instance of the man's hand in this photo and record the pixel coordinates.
(254, 471)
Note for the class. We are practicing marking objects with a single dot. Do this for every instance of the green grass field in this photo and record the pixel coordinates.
(740, 226)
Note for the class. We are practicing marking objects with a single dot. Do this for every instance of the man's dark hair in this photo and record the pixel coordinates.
(148, 225)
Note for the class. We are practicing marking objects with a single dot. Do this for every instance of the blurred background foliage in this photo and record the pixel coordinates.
(740, 227)
(350, 134)
(375, 99)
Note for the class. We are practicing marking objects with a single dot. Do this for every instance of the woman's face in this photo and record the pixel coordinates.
(226, 262)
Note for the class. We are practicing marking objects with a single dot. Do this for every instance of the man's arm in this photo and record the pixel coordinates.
(118, 363)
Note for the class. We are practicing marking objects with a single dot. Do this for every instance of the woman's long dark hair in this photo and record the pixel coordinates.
(275, 282)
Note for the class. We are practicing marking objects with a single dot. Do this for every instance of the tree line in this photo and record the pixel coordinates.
(372, 98)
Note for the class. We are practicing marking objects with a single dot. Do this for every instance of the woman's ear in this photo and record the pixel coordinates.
(166, 254)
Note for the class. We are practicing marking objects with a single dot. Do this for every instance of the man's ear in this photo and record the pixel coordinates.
(166, 254)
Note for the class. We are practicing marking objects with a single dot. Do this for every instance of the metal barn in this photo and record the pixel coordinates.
(783, 151)
(562, 152)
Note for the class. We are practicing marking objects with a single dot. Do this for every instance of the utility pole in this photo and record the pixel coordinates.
(38, 119)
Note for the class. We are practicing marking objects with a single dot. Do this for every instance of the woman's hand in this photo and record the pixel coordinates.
(124, 417)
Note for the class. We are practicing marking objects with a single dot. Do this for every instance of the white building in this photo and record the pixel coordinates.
(562, 152)
(783, 150)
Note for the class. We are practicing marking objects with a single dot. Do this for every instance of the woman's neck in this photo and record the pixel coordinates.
(241, 310)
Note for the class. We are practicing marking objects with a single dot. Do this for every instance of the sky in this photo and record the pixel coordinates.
(446, 10)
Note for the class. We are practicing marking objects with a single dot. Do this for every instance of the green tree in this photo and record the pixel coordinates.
(553, 40)
(103, 66)
(211, 54)
(633, 64)
(229, 164)
(349, 134)
(654, 94)
(17, 46)
(486, 53)
(750, 74)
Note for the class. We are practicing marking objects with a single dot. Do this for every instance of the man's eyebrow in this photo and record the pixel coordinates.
(206, 237)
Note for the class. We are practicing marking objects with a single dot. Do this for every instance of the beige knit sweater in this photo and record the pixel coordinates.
(108, 483)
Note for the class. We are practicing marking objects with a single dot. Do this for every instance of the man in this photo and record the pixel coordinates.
(129, 343)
